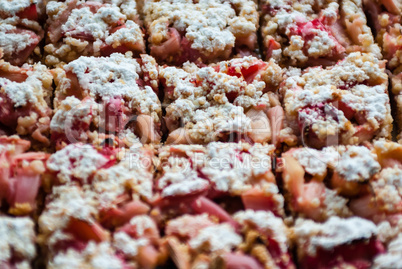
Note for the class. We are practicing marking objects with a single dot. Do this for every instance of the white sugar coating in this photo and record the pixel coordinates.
(357, 163)
(356, 67)
(130, 34)
(284, 18)
(142, 223)
(267, 223)
(335, 205)
(14, 6)
(392, 258)
(346, 82)
(128, 245)
(332, 233)
(372, 100)
(300, 98)
(211, 26)
(114, 76)
(221, 237)
(388, 189)
(83, 22)
(13, 42)
(75, 161)
(204, 109)
(383, 146)
(69, 111)
(67, 201)
(130, 173)
(232, 171)
(316, 162)
(127, 7)
(107, 76)
(321, 44)
(181, 183)
(96, 256)
(17, 238)
(31, 91)
(209, 38)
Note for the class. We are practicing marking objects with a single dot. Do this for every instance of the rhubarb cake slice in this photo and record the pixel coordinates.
(217, 177)
(200, 31)
(114, 96)
(91, 28)
(309, 33)
(96, 211)
(319, 184)
(25, 101)
(21, 31)
(386, 17)
(347, 103)
(229, 101)
(337, 243)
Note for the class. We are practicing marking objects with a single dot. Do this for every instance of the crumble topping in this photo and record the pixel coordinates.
(34, 90)
(76, 161)
(83, 21)
(210, 103)
(267, 223)
(95, 255)
(217, 238)
(70, 110)
(357, 163)
(234, 168)
(68, 201)
(211, 26)
(17, 238)
(114, 76)
(313, 98)
(90, 28)
(184, 225)
(388, 189)
(127, 245)
(229, 167)
(132, 172)
(316, 162)
(300, 33)
(332, 233)
(12, 7)
(13, 41)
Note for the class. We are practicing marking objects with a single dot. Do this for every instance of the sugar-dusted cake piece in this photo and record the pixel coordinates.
(21, 31)
(17, 245)
(97, 208)
(91, 28)
(228, 101)
(386, 16)
(217, 177)
(383, 202)
(261, 240)
(309, 33)
(266, 237)
(386, 19)
(336, 243)
(200, 31)
(319, 184)
(347, 103)
(98, 96)
(25, 101)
